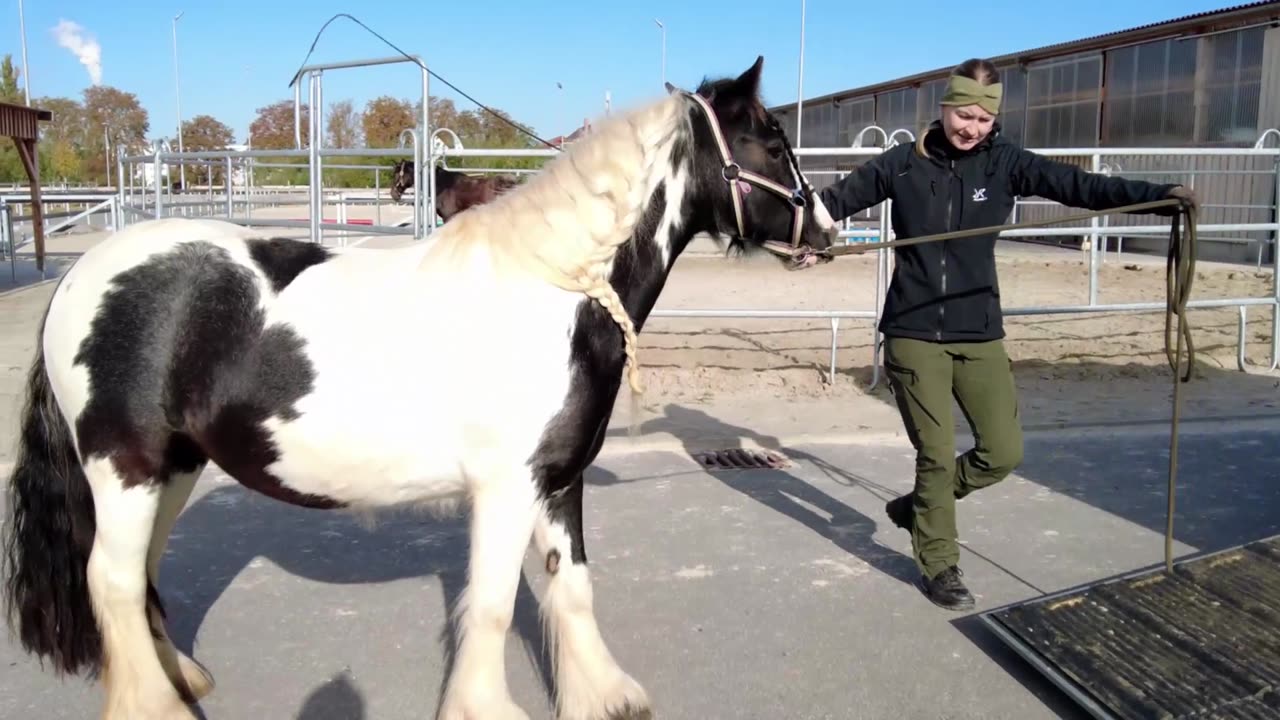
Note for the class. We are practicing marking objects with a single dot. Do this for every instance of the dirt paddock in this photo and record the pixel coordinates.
(1104, 366)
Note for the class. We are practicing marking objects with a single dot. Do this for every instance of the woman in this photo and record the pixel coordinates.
(942, 315)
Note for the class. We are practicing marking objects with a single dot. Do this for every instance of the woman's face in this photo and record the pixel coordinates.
(967, 125)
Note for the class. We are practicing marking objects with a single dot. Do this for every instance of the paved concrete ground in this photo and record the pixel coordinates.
(743, 594)
(746, 594)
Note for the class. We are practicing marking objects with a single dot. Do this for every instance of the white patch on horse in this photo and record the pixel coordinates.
(385, 429)
(136, 682)
(589, 682)
(675, 183)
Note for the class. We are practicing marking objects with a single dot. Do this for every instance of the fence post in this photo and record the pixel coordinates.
(119, 185)
(156, 182)
(316, 173)
(231, 207)
(6, 237)
(1094, 223)
(1275, 275)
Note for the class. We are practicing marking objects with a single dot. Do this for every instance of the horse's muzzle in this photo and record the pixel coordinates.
(798, 257)
(804, 257)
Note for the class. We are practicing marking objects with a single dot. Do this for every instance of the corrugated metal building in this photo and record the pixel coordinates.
(1206, 80)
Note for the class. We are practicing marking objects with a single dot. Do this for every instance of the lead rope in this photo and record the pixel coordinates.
(1179, 272)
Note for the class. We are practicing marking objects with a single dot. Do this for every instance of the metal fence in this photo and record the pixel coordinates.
(1239, 189)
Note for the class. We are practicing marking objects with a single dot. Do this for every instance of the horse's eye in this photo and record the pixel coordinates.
(775, 151)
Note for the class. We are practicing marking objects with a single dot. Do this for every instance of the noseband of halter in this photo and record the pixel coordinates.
(737, 178)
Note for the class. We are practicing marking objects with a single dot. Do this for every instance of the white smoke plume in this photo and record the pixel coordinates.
(86, 49)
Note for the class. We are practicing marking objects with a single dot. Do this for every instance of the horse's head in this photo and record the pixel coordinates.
(745, 162)
(401, 178)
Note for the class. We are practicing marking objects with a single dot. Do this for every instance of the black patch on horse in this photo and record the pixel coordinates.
(573, 438)
(182, 369)
(282, 259)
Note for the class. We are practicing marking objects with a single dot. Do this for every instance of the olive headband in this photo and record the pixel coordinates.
(966, 91)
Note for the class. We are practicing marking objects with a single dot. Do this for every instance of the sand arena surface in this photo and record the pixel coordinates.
(1102, 365)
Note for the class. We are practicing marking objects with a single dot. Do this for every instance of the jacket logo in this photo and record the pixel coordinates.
(980, 195)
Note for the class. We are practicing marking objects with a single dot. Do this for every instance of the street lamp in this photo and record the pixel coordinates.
(26, 74)
(177, 94)
(800, 81)
(664, 50)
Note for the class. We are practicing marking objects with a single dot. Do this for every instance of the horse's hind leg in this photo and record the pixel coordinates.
(503, 506)
(190, 679)
(136, 683)
(590, 685)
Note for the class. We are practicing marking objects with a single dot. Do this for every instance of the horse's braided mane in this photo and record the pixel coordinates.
(575, 214)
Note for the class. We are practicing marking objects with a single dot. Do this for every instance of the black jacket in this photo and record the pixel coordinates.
(948, 291)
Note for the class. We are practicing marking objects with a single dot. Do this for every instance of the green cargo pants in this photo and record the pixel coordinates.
(923, 377)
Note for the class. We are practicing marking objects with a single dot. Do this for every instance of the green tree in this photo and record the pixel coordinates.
(10, 92)
(204, 133)
(115, 119)
(273, 129)
(11, 169)
(64, 162)
(62, 139)
(480, 128)
(384, 119)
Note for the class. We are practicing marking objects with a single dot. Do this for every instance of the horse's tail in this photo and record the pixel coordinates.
(48, 535)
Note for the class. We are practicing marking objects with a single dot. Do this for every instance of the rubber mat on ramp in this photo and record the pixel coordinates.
(1200, 642)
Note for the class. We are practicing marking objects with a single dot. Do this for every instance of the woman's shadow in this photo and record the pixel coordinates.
(229, 528)
(782, 491)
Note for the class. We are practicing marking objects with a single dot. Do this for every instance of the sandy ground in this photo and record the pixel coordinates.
(1100, 367)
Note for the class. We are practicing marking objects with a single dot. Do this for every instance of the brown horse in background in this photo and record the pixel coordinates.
(455, 191)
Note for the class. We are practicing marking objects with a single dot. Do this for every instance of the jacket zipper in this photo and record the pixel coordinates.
(942, 306)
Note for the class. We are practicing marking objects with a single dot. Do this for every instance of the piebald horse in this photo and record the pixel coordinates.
(179, 342)
(455, 191)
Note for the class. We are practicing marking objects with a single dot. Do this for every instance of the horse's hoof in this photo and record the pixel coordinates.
(199, 680)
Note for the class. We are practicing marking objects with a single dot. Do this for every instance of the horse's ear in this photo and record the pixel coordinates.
(671, 89)
(748, 83)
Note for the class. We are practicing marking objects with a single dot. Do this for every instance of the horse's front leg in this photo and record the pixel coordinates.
(589, 683)
(503, 506)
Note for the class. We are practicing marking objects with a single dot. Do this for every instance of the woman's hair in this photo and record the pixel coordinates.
(977, 69)
(981, 71)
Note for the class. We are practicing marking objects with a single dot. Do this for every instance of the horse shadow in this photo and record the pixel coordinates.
(338, 699)
(229, 529)
(785, 493)
(848, 529)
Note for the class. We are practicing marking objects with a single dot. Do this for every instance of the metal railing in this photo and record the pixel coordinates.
(1094, 235)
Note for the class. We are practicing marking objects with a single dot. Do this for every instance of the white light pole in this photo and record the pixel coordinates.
(664, 50)
(800, 81)
(564, 128)
(177, 94)
(26, 74)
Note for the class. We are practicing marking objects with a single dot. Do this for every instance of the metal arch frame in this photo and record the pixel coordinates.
(1262, 139)
(457, 145)
(424, 203)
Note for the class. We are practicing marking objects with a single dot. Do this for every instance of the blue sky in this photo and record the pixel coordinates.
(511, 54)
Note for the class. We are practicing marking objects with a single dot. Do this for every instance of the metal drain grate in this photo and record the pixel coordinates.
(740, 459)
